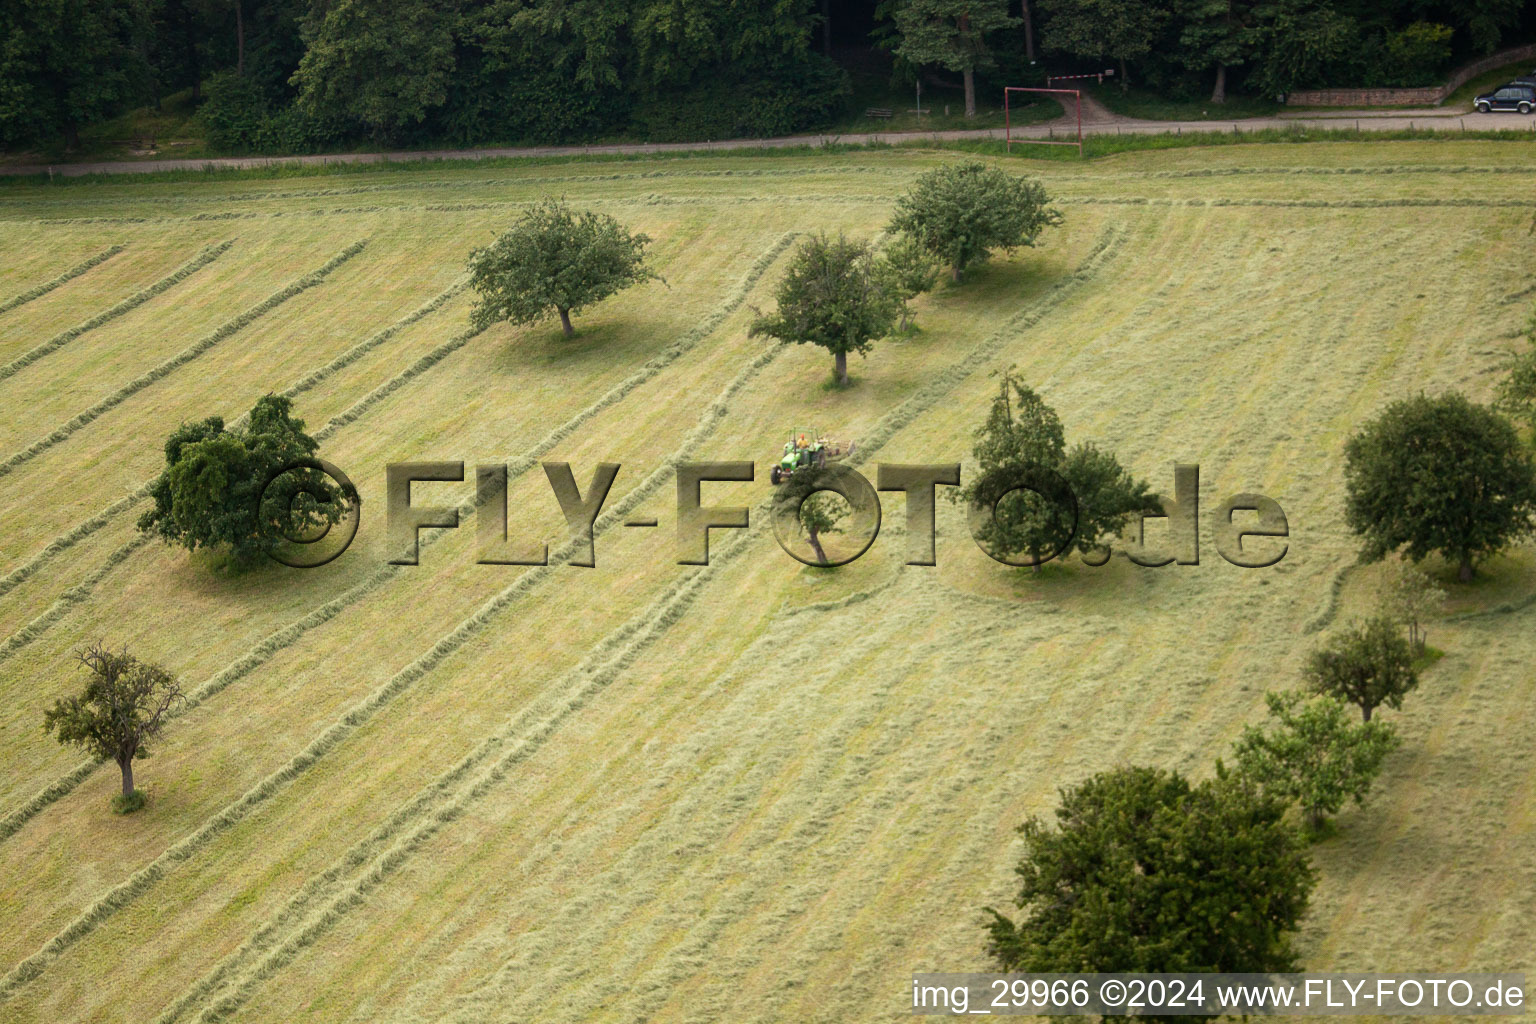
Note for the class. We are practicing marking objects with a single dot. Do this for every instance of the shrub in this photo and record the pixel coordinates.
(1416, 55)
(233, 112)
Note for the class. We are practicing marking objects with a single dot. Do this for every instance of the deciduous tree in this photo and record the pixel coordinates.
(1313, 755)
(1118, 30)
(962, 212)
(1367, 664)
(1144, 871)
(121, 709)
(820, 514)
(1021, 437)
(951, 34)
(912, 270)
(383, 63)
(1219, 34)
(555, 260)
(1410, 599)
(67, 63)
(1438, 475)
(835, 295)
(245, 489)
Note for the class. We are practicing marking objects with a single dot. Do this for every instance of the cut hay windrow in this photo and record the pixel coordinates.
(66, 601)
(69, 275)
(653, 199)
(626, 643)
(73, 536)
(125, 892)
(191, 352)
(527, 731)
(451, 184)
(132, 302)
(290, 634)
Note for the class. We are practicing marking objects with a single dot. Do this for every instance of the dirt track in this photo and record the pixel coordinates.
(1097, 120)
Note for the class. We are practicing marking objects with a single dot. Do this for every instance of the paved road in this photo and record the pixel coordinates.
(1096, 121)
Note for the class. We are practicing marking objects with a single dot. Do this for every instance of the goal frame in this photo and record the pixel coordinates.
(1008, 138)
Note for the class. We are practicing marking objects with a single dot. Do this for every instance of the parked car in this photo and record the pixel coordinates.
(1514, 96)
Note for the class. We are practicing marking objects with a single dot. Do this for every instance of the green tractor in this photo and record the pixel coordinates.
(807, 448)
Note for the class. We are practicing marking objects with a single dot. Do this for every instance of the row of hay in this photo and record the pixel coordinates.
(285, 637)
(137, 299)
(434, 185)
(349, 722)
(654, 199)
(79, 532)
(526, 732)
(69, 275)
(191, 352)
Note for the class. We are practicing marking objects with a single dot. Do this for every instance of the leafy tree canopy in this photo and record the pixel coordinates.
(1367, 664)
(555, 260)
(1411, 597)
(228, 487)
(1119, 30)
(1145, 871)
(1438, 475)
(67, 63)
(121, 708)
(385, 63)
(911, 270)
(1313, 754)
(962, 212)
(1023, 435)
(951, 34)
(834, 295)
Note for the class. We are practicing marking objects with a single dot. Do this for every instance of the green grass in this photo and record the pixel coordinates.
(743, 791)
(1137, 102)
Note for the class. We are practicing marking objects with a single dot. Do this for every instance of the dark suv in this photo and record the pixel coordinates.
(1514, 96)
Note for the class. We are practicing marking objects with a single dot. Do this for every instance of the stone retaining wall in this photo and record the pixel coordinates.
(1425, 97)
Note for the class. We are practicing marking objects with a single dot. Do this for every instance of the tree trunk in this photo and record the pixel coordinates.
(970, 93)
(1219, 94)
(840, 364)
(1464, 574)
(127, 769)
(821, 555)
(1365, 712)
(565, 322)
(1029, 31)
(189, 53)
(954, 273)
(1314, 819)
(240, 38)
(71, 135)
(1125, 80)
(826, 27)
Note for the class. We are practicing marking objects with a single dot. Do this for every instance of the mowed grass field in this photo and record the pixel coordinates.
(752, 790)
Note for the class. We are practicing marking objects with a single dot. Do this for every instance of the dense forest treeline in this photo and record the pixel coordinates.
(304, 75)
